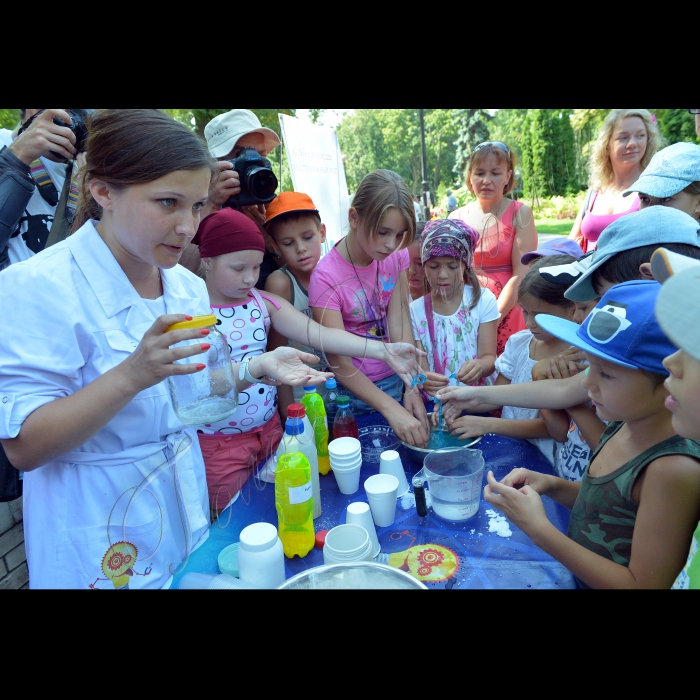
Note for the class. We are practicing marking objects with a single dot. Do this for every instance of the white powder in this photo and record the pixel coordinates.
(408, 500)
(498, 524)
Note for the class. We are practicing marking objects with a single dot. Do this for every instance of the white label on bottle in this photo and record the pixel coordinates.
(300, 494)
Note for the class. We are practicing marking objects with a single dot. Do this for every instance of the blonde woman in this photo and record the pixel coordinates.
(626, 143)
(507, 231)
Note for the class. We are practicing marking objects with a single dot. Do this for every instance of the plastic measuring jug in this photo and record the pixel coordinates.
(453, 477)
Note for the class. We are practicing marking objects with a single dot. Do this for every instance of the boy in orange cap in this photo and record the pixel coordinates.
(294, 225)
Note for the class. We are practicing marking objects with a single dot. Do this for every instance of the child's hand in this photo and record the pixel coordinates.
(470, 372)
(434, 382)
(523, 507)
(468, 427)
(403, 359)
(456, 399)
(407, 427)
(520, 477)
(562, 368)
(286, 365)
(154, 359)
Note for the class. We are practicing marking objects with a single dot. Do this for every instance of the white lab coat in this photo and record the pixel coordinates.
(69, 315)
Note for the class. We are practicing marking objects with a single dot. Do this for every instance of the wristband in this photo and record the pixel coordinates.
(244, 373)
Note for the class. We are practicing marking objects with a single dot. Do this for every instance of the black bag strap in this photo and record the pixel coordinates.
(61, 226)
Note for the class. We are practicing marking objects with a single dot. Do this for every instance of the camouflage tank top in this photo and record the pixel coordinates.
(604, 513)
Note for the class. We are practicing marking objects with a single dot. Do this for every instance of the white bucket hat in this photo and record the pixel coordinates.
(223, 131)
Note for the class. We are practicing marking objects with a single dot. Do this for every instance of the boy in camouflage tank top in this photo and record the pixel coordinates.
(634, 512)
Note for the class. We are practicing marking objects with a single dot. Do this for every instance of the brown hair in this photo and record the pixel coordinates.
(133, 146)
(378, 192)
(293, 216)
(533, 284)
(509, 159)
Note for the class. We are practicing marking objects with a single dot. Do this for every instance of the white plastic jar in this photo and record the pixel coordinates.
(260, 556)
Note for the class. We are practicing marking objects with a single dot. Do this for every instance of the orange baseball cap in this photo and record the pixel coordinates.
(285, 202)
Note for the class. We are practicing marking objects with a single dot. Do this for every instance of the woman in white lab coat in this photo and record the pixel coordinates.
(115, 492)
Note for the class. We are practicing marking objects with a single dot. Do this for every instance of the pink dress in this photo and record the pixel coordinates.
(592, 225)
(493, 264)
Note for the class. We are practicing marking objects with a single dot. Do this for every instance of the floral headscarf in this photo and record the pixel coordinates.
(449, 238)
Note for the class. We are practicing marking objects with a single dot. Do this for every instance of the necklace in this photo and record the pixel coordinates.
(364, 291)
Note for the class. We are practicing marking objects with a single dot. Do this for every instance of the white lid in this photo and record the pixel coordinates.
(258, 537)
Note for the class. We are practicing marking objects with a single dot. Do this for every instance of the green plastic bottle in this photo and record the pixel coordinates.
(316, 411)
(295, 504)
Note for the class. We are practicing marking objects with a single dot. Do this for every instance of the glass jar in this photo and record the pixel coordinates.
(209, 395)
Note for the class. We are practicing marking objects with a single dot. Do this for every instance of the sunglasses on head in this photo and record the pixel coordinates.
(497, 144)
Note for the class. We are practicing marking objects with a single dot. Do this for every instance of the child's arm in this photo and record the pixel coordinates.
(485, 362)
(668, 497)
(591, 427)
(333, 338)
(278, 283)
(406, 427)
(401, 330)
(556, 393)
(557, 423)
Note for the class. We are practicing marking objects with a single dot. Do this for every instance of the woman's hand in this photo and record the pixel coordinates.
(523, 506)
(434, 383)
(403, 359)
(286, 365)
(154, 359)
(471, 371)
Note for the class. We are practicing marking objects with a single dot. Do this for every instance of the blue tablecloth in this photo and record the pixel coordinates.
(465, 554)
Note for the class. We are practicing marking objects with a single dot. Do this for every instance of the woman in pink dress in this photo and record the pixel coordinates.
(507, 231)
(626, 143)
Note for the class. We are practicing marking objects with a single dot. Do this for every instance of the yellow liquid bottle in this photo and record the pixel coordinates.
(294, 503)
(316, 411)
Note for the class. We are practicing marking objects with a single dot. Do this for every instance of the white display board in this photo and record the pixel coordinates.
(317, 169)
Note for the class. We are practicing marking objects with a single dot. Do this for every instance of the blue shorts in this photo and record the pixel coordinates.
(392, 385)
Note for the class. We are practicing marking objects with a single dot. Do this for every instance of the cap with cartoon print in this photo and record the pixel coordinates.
(621, 329)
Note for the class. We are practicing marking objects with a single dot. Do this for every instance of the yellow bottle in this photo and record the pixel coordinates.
(294, 503)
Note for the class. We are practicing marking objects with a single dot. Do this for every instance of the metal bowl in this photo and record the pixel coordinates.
(361, 575)
(418, 454)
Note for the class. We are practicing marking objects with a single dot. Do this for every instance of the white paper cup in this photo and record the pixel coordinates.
(381, 490)
(358, 513)
(344, 446)
(346, 466)
(348, 480)
(345, 543)
(390, 463)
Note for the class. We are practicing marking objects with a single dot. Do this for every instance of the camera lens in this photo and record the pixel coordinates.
(262, 183)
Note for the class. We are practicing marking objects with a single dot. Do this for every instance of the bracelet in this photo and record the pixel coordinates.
(244, 373)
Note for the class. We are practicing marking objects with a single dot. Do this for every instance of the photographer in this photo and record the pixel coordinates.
(33, 164)
(226, 135)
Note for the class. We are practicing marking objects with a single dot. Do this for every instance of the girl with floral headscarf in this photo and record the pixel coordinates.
(457, 322)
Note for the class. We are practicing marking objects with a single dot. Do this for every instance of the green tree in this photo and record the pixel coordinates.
(677, 125)
(472, 129)
(9, 118)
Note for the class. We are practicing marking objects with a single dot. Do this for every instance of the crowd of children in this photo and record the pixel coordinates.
(604, 380)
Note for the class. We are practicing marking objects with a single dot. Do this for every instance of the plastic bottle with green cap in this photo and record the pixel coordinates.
(316, 411)
(345, 424)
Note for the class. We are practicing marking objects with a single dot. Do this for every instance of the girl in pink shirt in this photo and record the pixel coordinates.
(361, 286)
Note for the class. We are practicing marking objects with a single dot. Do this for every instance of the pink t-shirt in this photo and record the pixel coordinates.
(362, 295)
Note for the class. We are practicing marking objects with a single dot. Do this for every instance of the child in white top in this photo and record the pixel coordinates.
(456, 324)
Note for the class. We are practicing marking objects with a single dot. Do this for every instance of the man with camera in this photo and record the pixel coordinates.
(245, 180)
(35, 166)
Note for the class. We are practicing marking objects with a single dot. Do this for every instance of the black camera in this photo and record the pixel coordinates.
(78, 126)
(258, 182)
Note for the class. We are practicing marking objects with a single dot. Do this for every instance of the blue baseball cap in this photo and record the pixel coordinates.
(653, 225)
(622, 328)
(554, 246)
(671, 170)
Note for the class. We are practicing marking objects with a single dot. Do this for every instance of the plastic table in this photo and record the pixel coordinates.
(475, 553)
